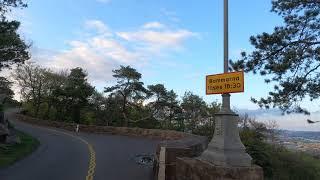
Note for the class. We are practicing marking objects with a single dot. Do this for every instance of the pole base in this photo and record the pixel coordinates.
(226, 148)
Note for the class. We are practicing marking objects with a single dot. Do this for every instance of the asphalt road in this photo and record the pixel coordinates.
(64, 155)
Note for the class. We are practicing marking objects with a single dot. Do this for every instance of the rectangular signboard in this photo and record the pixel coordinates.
(225, 83)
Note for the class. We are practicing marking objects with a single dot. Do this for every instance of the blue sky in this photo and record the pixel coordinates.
(173, 42)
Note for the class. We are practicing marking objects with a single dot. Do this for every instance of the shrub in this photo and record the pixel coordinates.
(278, 162)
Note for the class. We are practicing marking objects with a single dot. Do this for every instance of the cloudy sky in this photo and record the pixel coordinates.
(173, 42)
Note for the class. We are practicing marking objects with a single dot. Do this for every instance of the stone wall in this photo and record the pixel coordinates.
(190, 146)
(195, 169)
(125, 131)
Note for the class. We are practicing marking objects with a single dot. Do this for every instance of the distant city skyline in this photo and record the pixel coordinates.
(175, 43)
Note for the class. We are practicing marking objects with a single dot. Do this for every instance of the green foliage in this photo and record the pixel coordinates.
(129, 88)
(297, 165)
(278, 162)
(28, 108)
(112, 110)
(54, 95)
(59, 96)
(5, 87)
(31, 79)
(194, 111)
(289, 56)
(165, 107)
(257, 149)
(205, 127)
(96, 105)
(89, 118)
(13, 49)
(64, 96)
(78, 90)
(6, 94)
(12, 153)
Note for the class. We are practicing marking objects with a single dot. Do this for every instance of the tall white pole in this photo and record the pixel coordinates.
(226, 97)
(226, 148)
(226, 36)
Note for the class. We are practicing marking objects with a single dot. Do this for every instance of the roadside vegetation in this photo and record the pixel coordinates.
(289, 58)
(277, 162)
(68, 96)
(12, 153)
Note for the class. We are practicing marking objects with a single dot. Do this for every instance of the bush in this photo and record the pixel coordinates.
(88, 118)
(206, 129)
(28, 109)
(278, 162)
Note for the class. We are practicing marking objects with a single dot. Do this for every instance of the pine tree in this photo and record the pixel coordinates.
(289, 57)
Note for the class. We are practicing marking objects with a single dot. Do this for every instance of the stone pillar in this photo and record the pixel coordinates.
(225, 158)
(226, 148)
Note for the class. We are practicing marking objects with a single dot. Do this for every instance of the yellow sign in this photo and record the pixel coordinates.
(225, 83)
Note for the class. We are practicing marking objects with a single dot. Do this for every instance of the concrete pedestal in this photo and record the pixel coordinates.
(196, 169)
(226, 148)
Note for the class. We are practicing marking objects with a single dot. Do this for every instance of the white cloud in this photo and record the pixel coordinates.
(100, 54)
(153, 25)
(114, 50)
(169, 39)
(97, 26)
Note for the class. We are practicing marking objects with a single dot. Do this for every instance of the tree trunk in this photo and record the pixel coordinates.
(37, 108)
(58, 113)
(48, 111)
(76, 114)
(125, 122)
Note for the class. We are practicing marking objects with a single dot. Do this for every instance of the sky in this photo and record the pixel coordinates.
(175, 43)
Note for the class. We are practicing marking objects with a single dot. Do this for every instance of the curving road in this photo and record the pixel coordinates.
(65, 155)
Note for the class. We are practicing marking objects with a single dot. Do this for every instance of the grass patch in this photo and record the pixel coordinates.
(13, 153)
